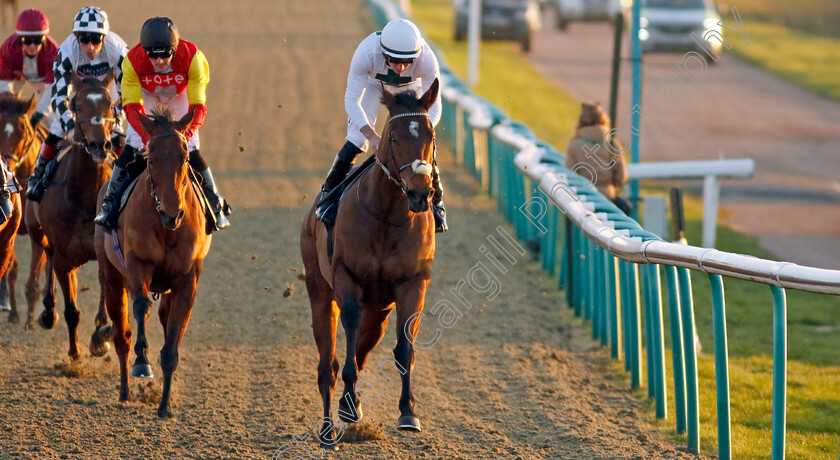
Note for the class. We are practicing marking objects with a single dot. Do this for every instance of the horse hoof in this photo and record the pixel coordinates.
(329, 447)
(46, 320)
(99, 349)
(14, 318)
(408, 423)
(143, 371)
(165, 413)
(345, 414)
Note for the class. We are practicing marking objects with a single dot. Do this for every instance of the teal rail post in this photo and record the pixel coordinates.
(658, 350)
(625, 314)
(721, 367)
(614, 307)
(588, 251)
(598, 291)
(648, 317)
(779, 372)
(633, 324)
(691, 390)
(676, 347)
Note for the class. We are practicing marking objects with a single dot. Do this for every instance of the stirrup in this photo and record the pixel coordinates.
(221, 221)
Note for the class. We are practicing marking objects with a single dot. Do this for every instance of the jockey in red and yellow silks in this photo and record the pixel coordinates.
(165, 70)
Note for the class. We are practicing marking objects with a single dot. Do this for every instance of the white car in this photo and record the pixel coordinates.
(515, 20)
(668, 25)
(566, 11)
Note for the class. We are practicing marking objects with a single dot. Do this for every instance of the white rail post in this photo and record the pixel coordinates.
(473, 36)
(711, 197)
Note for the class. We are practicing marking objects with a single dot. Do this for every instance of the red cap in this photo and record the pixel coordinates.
(32, 22)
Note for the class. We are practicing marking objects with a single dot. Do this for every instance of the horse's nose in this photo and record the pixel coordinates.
(107, 145)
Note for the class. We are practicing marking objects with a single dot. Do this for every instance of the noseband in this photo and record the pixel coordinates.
(417, 166)
(151, 179)
(96, 121)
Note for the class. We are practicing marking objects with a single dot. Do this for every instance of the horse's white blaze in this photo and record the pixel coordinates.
(93, 97)
(9, 129)
(412, 128)
(421, 167)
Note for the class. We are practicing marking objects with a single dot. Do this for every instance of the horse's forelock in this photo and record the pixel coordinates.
(164, 116)
(10, 104)
(407, 99)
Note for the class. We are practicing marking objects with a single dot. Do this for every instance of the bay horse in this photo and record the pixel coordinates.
(61, 225)
(20, 143)
(384, 246)
(162, 238)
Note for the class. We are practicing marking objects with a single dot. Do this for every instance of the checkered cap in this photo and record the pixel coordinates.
(91, 19)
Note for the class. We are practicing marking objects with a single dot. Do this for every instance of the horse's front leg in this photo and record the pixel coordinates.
(177, 307)
(139, 278)
(410, 298)
(67, 279)
(7, 290)
(111, 282)
(349, 407)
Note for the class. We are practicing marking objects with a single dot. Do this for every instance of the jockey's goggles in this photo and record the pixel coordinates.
(395, 61)
(32, 39)
(89, 38)
(159, 53)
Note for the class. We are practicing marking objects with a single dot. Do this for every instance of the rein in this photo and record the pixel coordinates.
(151, 179)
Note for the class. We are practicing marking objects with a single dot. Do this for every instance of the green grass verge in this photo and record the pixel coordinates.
(808, 60)
(814, 320)
(816, 16)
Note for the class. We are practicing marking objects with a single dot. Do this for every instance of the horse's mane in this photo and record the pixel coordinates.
(164, 116)
(9, 103)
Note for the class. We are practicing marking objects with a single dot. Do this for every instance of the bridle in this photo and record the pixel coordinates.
(151, 179)
(96, 121)
(417, 166)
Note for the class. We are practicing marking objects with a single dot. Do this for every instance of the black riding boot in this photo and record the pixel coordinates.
(37, 184)
(218, 204)
(340, 167)
(118, 177)
(438, 208)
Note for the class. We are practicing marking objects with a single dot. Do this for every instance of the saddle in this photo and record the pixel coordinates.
(332, 211)
(136, 168)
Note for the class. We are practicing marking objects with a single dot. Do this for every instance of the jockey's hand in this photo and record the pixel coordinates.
(35, 119)
(372, 137)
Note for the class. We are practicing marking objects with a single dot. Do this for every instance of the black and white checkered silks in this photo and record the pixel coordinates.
(63, 70)
(91, 19)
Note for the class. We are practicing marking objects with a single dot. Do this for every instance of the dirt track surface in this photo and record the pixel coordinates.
(514, 378)
(728, 110)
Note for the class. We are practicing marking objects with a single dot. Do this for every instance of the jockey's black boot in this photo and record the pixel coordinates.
(217, 202)
(104, 218)
(37, 184)
(6, 205)
(438, 209)
(340, 167)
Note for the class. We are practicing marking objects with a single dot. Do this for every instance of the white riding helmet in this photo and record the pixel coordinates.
(400, 39)
(91, 19)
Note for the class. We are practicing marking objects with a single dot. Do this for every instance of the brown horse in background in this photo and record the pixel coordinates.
(19, 146)
(62, 223)
(163, 242)
(384, 245)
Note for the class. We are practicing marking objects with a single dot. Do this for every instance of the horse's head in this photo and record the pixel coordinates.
(168, 156)
(16, 134)
(92, 108)
(408, 145)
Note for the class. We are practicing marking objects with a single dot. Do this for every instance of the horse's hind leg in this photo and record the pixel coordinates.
(177, 307)
(102, 332)
(410, 298)
(7, 290)
(67, 280)
(111, 282)
(37, 261)
(48, 318)
(324, 323)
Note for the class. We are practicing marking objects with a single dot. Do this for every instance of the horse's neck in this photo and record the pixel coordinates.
(83, 176)
(382, 196)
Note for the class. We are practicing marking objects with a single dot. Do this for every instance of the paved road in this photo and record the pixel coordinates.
(729, 110)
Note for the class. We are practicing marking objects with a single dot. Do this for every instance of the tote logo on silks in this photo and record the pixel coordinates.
(170, 79)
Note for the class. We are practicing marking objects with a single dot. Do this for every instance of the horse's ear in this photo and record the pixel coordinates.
(75, 80)
(30, 106)
(148, 123)
(387, 97)
(430, 96)
(106, 82)
(184, 123)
